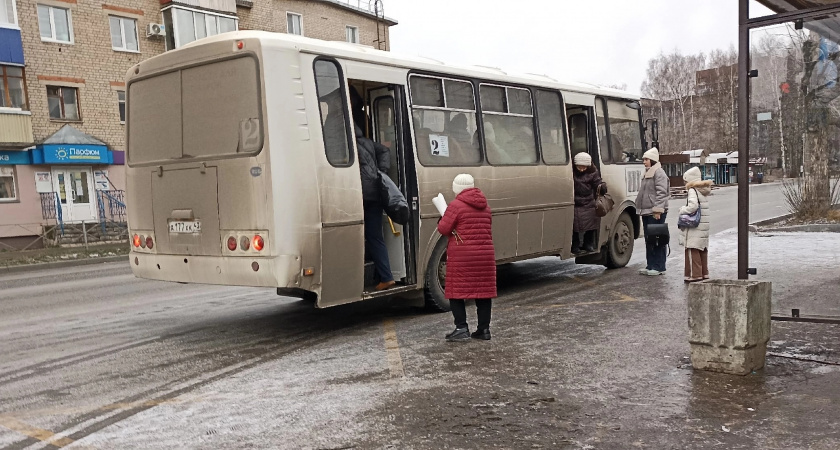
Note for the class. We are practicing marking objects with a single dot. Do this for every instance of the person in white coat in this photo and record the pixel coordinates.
(696, 240)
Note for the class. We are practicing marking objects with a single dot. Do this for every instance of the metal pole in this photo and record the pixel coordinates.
(743, 138)
(84, 233)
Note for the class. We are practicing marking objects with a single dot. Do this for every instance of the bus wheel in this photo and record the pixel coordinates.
(620, 246)
(435, 282)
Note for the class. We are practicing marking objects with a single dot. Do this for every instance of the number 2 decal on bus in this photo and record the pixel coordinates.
(439, 145)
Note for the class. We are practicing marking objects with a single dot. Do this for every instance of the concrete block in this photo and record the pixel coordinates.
(729, 325)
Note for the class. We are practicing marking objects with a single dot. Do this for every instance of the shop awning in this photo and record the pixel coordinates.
(71, 146)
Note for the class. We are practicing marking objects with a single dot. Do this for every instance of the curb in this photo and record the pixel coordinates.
(60, 264)
(809, 228)
(754, 225)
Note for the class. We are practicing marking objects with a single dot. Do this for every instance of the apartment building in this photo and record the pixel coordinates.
(62, 89)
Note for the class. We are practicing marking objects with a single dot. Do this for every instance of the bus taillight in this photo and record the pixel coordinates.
(136, 240)
(232, 243)
(142, 241)
(259, 243)
(150, 242)
(244, 243)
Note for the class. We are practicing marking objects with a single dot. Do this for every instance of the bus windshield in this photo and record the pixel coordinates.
(626, 137)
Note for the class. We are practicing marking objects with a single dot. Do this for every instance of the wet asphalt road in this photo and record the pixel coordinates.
(581, 358)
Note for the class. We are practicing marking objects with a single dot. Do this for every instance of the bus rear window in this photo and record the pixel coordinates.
(205, 111)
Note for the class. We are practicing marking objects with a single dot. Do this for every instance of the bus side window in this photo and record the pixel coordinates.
(552, 132)
(509, 112)
(444, 124)
(333, 106)
(603, 131)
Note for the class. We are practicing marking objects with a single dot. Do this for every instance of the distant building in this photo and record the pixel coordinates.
(62, 71)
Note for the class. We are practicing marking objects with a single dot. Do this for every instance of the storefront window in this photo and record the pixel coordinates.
(7, 184)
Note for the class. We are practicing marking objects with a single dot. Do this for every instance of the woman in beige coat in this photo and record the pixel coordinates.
(696, 240)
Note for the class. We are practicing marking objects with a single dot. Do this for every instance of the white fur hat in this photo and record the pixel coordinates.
(652, 154)
(461, 182)
(583, 159)
(691, 175)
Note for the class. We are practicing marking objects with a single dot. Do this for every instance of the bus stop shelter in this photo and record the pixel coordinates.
(789, 80)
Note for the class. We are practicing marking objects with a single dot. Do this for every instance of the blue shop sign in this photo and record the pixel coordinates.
(72, 154)
(14, 158)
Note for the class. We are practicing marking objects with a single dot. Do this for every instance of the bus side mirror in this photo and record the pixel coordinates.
(653, 126)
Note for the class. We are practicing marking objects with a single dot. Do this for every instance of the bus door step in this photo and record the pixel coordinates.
(370, 274)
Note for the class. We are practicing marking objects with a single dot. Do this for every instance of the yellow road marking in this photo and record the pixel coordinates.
(75, 410)
(392, 350)
(34, 432)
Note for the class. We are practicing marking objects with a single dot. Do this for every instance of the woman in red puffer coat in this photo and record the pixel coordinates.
(470, 257)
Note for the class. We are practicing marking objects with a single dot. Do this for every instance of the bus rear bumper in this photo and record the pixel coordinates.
(279, 271)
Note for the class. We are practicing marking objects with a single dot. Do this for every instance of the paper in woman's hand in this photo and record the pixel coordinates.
(440, 203)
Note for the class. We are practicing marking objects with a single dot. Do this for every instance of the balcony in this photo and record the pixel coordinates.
(15, 128)
(224, 6)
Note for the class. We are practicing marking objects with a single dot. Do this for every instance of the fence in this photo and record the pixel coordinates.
(111, 225)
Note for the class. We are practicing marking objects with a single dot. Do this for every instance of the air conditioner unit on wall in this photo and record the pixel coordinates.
(155, 29)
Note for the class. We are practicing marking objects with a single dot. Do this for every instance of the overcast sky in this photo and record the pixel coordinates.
(596, 41)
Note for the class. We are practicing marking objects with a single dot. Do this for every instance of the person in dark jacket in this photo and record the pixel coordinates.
(470, 257)
(587, 182)
(374, 157)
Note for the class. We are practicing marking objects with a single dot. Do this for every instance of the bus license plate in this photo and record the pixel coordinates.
(185, 227)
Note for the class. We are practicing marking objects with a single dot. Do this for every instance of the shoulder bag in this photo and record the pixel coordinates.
(603, 203)
(690, 220)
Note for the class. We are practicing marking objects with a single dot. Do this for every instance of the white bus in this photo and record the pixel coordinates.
(242, 166)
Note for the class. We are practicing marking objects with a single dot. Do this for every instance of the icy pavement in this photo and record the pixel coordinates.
(581, 357)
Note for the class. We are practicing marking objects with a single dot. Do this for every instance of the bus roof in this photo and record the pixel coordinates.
(369, 54)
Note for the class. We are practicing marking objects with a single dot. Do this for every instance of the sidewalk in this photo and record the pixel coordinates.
(62, 256)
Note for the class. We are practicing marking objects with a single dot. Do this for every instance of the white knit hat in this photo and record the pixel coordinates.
(461, 182)
(652, 154)
(691, 175)
(583, 159)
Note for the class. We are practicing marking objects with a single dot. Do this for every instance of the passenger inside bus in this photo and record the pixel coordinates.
(373, 157)
(456, 130)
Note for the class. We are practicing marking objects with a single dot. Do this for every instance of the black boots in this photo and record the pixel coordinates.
(589, 241)
(575, 243)
(481, 334)
(460, 334)
(463, 334)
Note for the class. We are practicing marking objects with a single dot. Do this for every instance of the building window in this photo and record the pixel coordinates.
(7, 13)
(294, 24)
(63, 102)
(123, 34)
(121, 103)
(185, 26)
(12, 87)
(8, 193)
(353, 35)
(55, 24)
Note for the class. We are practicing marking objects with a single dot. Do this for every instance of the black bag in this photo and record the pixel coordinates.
(658, 234)
(393, 200)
